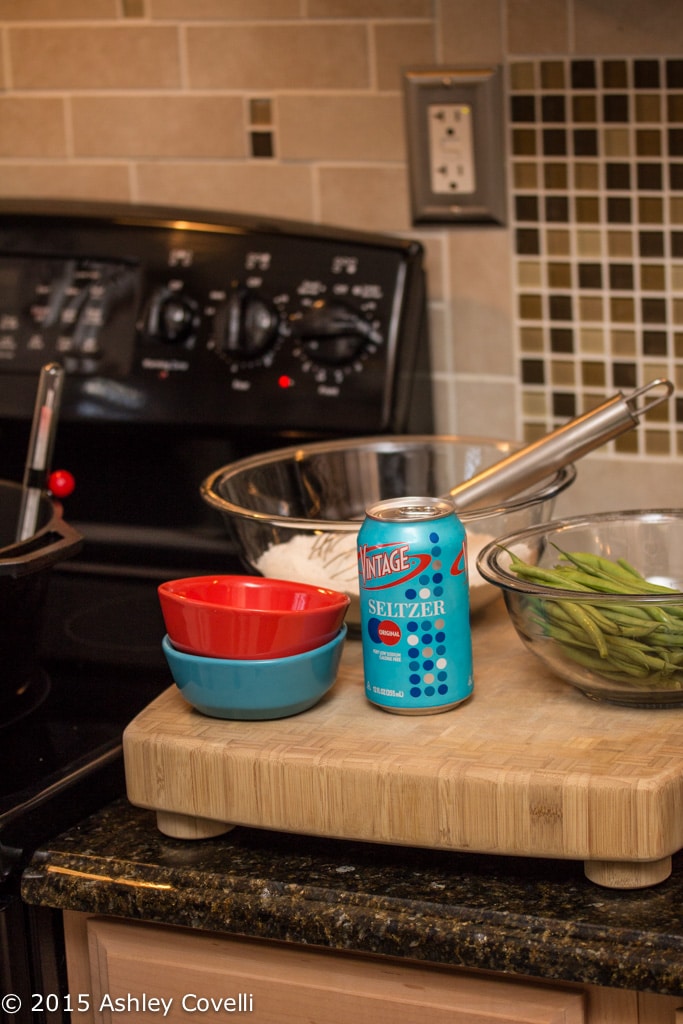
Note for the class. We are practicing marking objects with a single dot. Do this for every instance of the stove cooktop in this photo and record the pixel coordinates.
(60, 743)
(68, 716)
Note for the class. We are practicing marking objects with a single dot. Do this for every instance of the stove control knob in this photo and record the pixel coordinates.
(172, 317)
(333, 334)
(246, 326)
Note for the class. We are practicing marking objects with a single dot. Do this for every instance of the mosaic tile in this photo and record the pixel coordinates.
(591, 307)
(556, 176)
(525, 175)
(614, 74)
(533, 404)
(593, 374)
(596, 151)
(586, 176)
(627, 444)
(591, 340)
(261, 144)
(656, 442)
(522, 76)
(620, 244)
(531, 339)
(530, 274)
(563, 374)
(623, 343)
(647, 108)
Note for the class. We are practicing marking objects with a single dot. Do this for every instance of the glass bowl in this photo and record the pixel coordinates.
(626, 648)
(295, 512)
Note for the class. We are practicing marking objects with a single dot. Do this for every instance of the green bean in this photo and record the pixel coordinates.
(626, 617)
(548, 577)
(660, 635)
(658, 614)
(604, 574)
(630, 569)
(609, 571)
(583, 619)
(630, 649)
(571, 637)
(597, 565)
(604, 623)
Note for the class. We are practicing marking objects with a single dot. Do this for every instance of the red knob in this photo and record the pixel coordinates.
(61, 483)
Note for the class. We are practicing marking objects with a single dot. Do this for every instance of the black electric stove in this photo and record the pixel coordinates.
(189, 339)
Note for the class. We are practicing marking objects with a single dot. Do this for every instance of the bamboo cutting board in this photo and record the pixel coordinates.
(526, 767)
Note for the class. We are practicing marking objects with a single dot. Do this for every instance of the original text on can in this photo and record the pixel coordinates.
(414, 604)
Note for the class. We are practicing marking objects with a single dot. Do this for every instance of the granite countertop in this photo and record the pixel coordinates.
(539, 918)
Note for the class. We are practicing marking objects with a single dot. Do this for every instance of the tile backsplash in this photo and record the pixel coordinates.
(596, 150)
(294, 108)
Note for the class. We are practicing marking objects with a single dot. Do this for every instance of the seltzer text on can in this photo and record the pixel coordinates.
(414, 606)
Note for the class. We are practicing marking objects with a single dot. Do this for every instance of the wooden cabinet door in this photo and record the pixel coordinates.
(140, 971)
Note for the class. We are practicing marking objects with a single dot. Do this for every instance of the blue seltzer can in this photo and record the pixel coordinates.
(414, 605)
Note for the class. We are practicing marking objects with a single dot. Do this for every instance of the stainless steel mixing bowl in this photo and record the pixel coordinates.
(296, 512)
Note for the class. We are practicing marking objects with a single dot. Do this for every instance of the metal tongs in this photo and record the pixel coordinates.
(527, 466)
(41, 443)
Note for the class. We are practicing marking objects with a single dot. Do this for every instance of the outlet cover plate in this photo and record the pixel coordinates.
(478, 91)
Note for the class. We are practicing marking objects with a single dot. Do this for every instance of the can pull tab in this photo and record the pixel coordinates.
(531, 464)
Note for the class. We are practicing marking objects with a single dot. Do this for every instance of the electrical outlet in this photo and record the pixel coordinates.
(456, 151)
(451, 148)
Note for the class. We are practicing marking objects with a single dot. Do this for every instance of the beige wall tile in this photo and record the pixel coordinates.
(369, 8)
(201, 126)
(439, 342)
(268, 189)
(340, 128)
(445, 418)
(628, 27)
(372, 198)
(471, 30)
(32, 127)
(57, 10)
(481, 301)
(108, 182)
(485, 407)
(538, 28)
(278, 57)
(398, 47)
(435, 246)
(605, 483)
(135, 57)
(224, 10)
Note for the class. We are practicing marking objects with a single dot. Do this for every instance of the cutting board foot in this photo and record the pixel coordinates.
(616, 874)
(186, 826)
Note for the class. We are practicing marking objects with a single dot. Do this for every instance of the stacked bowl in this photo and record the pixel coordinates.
(247, 647)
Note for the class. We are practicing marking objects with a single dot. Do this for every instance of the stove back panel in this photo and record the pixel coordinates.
(190, 339)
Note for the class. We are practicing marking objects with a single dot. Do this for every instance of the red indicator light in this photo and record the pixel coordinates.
(285, 382)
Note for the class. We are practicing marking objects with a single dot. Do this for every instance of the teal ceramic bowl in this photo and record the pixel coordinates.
(255, 689)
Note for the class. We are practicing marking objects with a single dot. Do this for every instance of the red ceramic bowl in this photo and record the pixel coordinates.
(249, 616)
